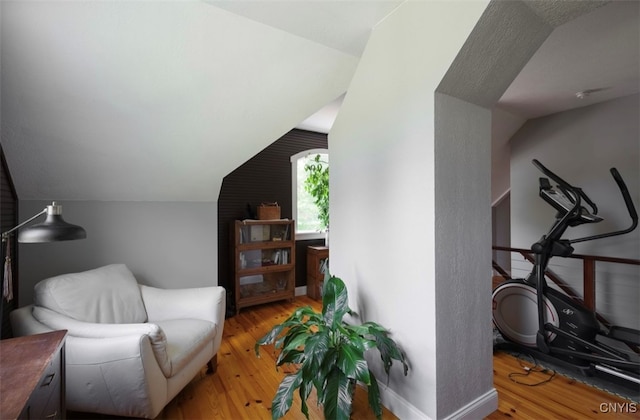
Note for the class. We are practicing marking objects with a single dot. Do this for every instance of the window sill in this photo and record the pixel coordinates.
(305, 236)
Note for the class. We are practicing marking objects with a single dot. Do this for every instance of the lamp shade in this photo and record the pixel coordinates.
(53, 229)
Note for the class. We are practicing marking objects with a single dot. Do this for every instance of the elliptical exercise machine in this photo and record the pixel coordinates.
(548, 324)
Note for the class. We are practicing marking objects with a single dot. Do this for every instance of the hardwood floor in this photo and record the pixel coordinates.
(559, 398)
(243, 386)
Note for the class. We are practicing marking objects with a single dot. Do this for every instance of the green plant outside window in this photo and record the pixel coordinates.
(313, 193)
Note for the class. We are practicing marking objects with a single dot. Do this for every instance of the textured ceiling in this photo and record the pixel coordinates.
(590, 46)
(597, 51)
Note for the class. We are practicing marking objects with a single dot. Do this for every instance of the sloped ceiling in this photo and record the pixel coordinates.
(156, 101)
(342, 25)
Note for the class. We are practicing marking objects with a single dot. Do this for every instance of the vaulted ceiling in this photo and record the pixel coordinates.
(159, 101)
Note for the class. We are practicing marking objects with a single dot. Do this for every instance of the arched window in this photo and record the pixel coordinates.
(304, 209)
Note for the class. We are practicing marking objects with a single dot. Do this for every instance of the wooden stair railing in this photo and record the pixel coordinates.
(588, 279)
(500, 270)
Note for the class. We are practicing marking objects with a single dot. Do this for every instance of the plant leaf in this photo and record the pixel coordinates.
(305, 391)
(284, 396)
(315, 350)
(317, 185)
(304, 311)
(269, 337)
(388, 350)
(352, 363)
(296, 337)
(290, 356)
(304, 317)
(335, 302)
(338, 396)
(326, 366)
(373, 392)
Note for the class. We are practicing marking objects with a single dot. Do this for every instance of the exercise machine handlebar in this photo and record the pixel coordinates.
(576, 195)
(631, 209)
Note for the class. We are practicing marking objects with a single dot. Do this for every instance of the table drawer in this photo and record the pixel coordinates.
(45, 401)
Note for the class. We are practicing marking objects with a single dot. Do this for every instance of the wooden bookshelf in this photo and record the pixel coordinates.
(263, 261)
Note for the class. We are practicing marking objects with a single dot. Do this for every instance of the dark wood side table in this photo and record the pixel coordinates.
(315, 278)
(32, 370)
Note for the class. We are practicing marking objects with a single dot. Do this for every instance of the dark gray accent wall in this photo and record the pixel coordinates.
(8, 219)
(266, 177)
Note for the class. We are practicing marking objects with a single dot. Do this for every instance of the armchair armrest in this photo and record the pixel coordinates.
(75, 328)
(114, 375)
(207, 303)
(23, 322)
(117, 375)
(95, 330)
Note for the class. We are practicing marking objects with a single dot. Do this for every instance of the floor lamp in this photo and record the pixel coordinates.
(53, 229)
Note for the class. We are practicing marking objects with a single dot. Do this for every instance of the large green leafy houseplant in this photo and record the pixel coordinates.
(329, 355)
(317, 185)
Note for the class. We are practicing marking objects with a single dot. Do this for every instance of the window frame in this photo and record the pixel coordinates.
(294, 192)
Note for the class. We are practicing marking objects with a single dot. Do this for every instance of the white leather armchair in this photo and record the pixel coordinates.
(130, 348)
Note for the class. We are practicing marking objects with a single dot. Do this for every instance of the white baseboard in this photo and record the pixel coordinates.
(400, 407)
(478, 408)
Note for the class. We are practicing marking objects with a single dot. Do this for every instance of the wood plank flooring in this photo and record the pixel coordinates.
(243, 386)
(559, 398)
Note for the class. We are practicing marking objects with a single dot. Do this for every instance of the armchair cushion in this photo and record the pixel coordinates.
(186, 337)
(108, 294)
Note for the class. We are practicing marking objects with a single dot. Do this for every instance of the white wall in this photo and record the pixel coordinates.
(503, 126)
(164, 244)
(501, 224)
(410, 190)
(384, 158)
(580, 146)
